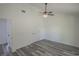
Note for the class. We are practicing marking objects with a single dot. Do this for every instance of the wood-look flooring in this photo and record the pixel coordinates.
(5, 50)
(1, 50)
(47, 48)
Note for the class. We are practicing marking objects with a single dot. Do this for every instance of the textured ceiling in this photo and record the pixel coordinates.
(68, 8)
(71, 8)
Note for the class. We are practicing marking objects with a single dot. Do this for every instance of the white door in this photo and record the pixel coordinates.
(5, 35)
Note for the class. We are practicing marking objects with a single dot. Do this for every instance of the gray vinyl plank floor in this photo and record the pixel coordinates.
(1, 50)
(47, 48)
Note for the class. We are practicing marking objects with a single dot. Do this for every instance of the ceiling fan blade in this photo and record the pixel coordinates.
(51, 14)
(42, 12)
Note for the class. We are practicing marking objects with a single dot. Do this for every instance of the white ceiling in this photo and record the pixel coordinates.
(70, 8)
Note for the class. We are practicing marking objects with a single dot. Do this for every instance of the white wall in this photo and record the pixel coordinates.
(63, 28)
(76, 29)
(26, 28)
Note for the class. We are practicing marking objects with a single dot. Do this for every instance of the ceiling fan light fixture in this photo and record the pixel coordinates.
(45, 15)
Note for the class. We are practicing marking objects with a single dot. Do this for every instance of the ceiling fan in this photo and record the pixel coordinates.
(47, 13)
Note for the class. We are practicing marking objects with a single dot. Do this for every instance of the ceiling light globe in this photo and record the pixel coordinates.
(45, 15)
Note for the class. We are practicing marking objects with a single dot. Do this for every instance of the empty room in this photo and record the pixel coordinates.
(39, 29)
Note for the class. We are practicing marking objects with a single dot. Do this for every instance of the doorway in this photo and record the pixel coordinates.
(5, 37)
